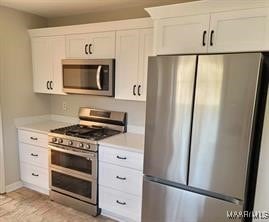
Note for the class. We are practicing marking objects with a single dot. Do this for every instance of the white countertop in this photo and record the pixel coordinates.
(43, 126)
(127, 141)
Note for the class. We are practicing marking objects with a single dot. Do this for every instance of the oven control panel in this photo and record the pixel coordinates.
(72, 143)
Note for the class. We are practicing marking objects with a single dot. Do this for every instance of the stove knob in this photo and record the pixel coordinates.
(54, 139)
(81, 145)
(88, 146)
(70, 143)
(60, 140)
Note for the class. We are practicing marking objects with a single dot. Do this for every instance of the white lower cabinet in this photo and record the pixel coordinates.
(121, 178)
(120, 183)
(125, 207)
(35, 175)
(34, 166)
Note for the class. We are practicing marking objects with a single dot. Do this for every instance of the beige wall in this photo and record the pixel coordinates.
(110, 15)
(99, 17)
(16, 90)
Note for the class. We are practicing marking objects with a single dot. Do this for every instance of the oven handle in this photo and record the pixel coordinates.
(89, 156)
(98, 74)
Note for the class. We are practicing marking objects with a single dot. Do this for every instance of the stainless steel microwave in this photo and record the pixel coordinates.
(89, 76)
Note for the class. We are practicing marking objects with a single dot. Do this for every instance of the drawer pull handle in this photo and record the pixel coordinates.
(35, 155)
(121, 178)
(122, 158)
(121, 203)
(33, 138)
(35, 175)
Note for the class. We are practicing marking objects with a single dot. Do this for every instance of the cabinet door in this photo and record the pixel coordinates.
(77, 46)
(103, 45)
(57, 45)
(42, 68)
(244, 30)
(145, 50)
(127, 60)
(182, 35)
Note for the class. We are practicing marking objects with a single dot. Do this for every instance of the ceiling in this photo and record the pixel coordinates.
(60, 8)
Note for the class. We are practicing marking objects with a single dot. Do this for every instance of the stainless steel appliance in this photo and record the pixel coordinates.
(89, 76)
(74, 157)
(203, 122)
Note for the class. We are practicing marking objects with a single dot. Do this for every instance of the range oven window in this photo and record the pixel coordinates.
(71, 184)
(87, 77)
(73, 162)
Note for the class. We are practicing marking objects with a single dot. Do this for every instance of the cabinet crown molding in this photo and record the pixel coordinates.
(93, 27)
(204, 7)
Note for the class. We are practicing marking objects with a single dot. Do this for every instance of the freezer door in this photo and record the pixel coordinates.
(223, 115)
(168, 116)
(162, 203)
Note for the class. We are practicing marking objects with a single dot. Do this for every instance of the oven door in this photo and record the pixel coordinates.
(72, 161)
(73, 185)
(84, 76)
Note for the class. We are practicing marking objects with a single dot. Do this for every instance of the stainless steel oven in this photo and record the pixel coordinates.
(89, 76)
(74, 172)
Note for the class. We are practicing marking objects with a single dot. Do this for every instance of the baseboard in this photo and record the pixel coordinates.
(114, 216)
(35, 188)
(14, 186)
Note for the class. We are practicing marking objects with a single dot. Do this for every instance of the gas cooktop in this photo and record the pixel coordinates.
(86, 132)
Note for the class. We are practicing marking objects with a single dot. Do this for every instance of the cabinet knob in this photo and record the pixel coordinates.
(204, 34)
(121, 203)
(138, 90)
(35, 175)
(90, 48)
(121, 158)
(51, 84)
(34, 155)
(134, 88)
(211, 37)
(86, 49)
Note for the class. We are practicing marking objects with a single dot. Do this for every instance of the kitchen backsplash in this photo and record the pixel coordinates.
(69, 105)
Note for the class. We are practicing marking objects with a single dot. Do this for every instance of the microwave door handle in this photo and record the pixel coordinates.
(98, 74)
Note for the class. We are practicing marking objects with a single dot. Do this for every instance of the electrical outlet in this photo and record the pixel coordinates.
(64, 106)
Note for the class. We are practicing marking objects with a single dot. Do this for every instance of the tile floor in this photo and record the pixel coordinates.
(29, 206)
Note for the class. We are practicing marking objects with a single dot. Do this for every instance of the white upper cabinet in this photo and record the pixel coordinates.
(211, 27)
(243, 30)
(92, 46)
(132, 50)
(47, 53)
(145, 50)
(42, 68)
(182, 35)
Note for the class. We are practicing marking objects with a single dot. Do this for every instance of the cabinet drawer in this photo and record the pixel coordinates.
(118, 203)
(34, 155)
(35, 175)
(120, 178)
(33, 138)
(121, 157)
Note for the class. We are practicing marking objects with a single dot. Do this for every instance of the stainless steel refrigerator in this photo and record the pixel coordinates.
(202, 136)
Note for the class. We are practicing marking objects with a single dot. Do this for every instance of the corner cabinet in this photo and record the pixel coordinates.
(47, 54)
(216, 32)
(92, 46)
(133, 47)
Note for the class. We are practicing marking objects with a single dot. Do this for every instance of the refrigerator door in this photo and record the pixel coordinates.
(168, 116)
(162, 203)
(223, 115)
